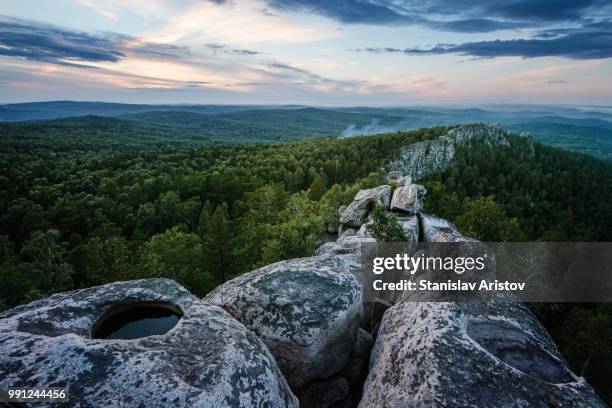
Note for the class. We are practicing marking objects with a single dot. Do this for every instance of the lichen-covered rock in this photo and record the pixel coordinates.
(307, 311)
(207, 360)
(408, 199)
(356, 212)
(405, 181)
(437, 229)
(410, 225)
(344, 231)
(363, 231)
(472, 354)
(346, 247)
(394, 177)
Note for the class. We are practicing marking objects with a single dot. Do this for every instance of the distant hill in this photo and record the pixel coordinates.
(20, 112)
(178, 128)
(586, 139)
(300, 122)
(69, 124)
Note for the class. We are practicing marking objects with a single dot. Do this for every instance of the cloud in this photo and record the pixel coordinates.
(593, 41)
(544, 10)
(460, 16)
(240, 24)
(126, 62)
(222, 48)
(42, 42)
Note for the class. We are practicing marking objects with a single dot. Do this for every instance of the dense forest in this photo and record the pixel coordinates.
(78, 218)
(76, 213)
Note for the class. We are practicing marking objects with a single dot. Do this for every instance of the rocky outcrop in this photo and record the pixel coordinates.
(437, 229)
(410, 225)
(431, 156)
(493, 354)
(307, 311)
(207, 360)
(398, 178)
(364, 201)
(429, 350)
(408, 199)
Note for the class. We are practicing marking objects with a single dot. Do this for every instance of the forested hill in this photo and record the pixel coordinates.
(158, 129)
(113, 126)
(78, 218)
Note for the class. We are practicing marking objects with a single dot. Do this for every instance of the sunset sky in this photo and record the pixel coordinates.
(318, 52)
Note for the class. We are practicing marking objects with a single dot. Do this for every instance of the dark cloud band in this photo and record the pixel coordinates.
(590, 42)
(456, 16)
(42, 42)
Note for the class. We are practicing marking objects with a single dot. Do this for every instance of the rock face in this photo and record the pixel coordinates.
(408, 199)
(437, 229)
(424, 158)
(394, 177)
(410, 225)
(207, 360)
(307, 311)
(443, 354)
(355, 213)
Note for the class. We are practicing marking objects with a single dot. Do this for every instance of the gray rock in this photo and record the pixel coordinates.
(493, 354)
(324, 393)
(207, 360)
(307, 311)
(408, 199)
(344, 231)
(437, 229)
(410, 225)
(363, 202)
(363, 230)
(405, 181)
(346, 247)
(394, 177)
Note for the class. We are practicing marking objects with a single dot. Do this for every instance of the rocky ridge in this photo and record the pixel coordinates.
(422, 159)
(299, 331)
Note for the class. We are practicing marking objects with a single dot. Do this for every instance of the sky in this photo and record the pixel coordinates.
(316, 52)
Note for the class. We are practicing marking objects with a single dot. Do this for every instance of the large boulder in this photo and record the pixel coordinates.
(435, 229)
(393, 177)
(307, 311)
(356, 212)
(207, 359)
(470, 354)
(408, 198)
(410, 225)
